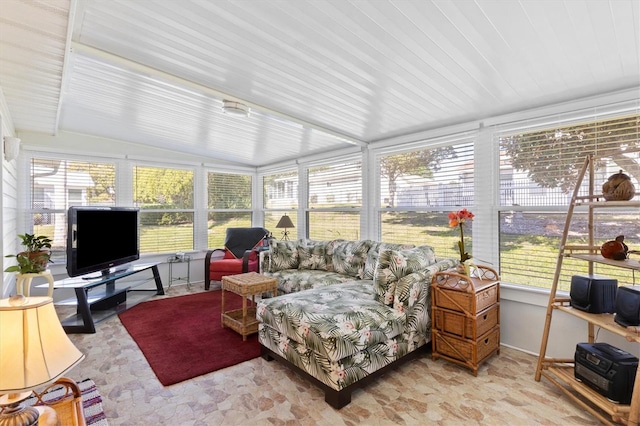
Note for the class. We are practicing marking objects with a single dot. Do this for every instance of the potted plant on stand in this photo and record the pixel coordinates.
(35, 257)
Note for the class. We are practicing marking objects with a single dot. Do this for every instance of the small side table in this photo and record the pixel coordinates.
(244, 320)
(23, 282)
(179, 259)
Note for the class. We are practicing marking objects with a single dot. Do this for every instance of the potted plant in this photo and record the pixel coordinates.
(35, 258)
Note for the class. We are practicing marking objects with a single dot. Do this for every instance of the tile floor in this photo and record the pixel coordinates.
(258, 392)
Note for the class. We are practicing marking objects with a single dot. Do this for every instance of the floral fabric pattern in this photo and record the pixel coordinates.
(334, 321)
(294, 280)
(395, 264)
(341, 334)
(312, 257)
(281, 255)
(349, 257)
(374, 252)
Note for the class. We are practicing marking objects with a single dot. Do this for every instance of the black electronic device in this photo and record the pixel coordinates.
(608, 370)
(99, 238)
(628, 306)
(593, 293)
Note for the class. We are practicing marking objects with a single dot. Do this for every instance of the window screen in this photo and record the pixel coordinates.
(165, 198)
(229, 204)
(418, 189)
(539, 168)
(335, 200)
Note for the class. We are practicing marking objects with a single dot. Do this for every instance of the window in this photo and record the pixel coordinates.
(228, 203)
(335, 200)
(280, 196)
(56, 185)
(538, 172)
(165, 198)
(419, 188)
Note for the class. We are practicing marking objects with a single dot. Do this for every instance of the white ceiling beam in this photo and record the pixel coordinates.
(66, 74)
(81, 48)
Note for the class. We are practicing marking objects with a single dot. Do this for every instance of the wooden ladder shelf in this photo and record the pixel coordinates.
(560, 371)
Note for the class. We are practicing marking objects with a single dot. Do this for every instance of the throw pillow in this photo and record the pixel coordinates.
(348, 257)
(312, 257)
(283, 255)
(374, 252)
(395, 264)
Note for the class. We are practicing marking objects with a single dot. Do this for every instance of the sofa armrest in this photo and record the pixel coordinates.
(265, 261)
(415, 288)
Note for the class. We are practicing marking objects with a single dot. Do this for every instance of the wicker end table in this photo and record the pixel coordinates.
(244, 320)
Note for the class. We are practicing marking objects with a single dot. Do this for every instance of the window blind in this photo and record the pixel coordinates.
(229, 202)
(418, 189)
(334, 200)
(279, 197)
(165, 198)
(539, 168)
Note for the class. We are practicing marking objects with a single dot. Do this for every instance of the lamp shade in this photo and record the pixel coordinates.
(285, 222)
(34, 349)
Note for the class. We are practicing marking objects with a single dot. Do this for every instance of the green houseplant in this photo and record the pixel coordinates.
(34, 258)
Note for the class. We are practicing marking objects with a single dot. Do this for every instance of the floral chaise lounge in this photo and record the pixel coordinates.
(359, 308)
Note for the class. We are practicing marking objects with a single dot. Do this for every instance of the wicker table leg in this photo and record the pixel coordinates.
(244, 318)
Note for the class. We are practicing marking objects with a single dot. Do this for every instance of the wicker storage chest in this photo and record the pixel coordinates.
(466, 316)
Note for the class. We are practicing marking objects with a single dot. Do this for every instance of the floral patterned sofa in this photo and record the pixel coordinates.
(345, 324)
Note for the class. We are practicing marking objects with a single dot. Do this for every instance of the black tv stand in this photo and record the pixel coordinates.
(105, 273)
(99, 297)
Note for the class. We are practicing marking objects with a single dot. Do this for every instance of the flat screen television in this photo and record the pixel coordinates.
(100, 238)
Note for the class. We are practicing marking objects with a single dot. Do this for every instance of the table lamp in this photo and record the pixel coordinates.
(34, 351)
(285, 222)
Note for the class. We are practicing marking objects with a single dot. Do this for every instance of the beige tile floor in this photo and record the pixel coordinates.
(258, 392)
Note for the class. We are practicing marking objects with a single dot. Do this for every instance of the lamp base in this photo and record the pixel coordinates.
(17, 415)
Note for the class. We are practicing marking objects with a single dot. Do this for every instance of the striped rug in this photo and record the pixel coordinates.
(91, 402)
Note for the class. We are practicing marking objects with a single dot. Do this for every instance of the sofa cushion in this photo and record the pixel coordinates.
(374, 252)
(283, 255)
(349, 257)
(294, 280)
(395, 264)
(335, 321)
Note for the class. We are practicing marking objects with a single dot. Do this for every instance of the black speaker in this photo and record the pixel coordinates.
(593, 293)
(628, 306)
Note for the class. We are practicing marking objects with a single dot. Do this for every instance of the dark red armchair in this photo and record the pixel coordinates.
(239, 255)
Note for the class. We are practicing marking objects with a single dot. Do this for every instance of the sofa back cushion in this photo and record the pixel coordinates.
(374, 252)
(395, 264)
(312, 257)
(283, 255)
(349, 257)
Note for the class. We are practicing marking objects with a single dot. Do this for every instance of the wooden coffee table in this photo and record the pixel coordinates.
(244, 320)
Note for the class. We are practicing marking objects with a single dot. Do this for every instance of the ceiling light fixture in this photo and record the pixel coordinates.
(234, 108)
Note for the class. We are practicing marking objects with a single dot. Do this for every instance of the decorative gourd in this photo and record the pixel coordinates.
(616, 249)
(618, 188)
(613, 250)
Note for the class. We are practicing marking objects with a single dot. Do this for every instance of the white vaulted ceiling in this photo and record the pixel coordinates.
(319, 75)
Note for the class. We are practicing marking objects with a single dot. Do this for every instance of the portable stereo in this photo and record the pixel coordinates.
(606, 369)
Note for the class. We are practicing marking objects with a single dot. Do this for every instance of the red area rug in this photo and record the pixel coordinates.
(182, 337)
